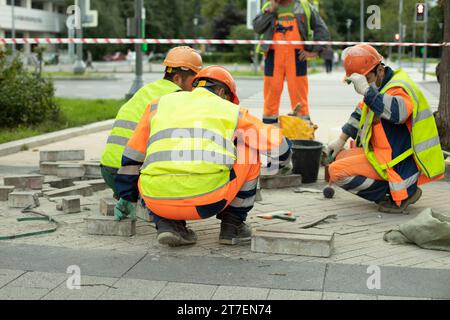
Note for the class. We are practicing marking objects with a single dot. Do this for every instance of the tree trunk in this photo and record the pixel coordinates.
(443, 114)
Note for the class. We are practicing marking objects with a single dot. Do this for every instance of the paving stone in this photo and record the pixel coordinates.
(134, 289)
(22, 199)
(61, 155)
(40, 280)
(143, 213)
(80, 190)
(186, 291)
(240, 293)
(91, 288)
(97, 184)
(107, 206)
(20, 293)
(258, 195)
(107, 226)
(92, 170)
(400, 298)
(60, 183)
(5, 191)
(297, 242)
(71, 204)
(70, 171)
(6, 276)
(49, 168)
(34, 182)
(279, 181)
(347, 296)
(277, 294)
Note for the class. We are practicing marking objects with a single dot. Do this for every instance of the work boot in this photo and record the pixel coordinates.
(389, 205)
(233, 230)
(174, 233)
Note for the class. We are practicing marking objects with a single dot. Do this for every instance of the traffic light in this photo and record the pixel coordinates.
(421, 12)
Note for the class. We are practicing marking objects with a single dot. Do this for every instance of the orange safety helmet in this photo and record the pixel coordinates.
(361, 59)
(220, 74)
(184, 56)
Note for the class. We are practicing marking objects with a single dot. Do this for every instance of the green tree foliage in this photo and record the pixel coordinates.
(111, 24)
(25, 98)
(240, 32)
(216, 19)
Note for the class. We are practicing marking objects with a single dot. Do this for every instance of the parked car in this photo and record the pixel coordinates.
(117, 56)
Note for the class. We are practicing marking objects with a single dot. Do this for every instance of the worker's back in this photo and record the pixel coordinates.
(128, 117)
(190, 150)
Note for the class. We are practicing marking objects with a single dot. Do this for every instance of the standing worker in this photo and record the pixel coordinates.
(328, 57)
(288, 20)
(396, 131)
(182, 64)
(194, 155)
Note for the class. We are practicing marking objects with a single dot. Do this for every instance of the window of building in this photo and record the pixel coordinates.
(17, 3)
(37, 5)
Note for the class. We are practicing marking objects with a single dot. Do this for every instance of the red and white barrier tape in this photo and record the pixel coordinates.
(205, 41)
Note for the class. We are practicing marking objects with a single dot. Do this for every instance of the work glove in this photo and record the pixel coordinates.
(335, 147)
(360, 83)
(125, 209)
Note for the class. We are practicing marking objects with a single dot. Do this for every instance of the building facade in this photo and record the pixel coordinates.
(33, 19)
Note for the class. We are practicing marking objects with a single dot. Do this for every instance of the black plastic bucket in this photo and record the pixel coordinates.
(306, 159)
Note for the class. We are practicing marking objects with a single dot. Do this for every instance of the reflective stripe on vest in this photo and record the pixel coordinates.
(190, 150)
(128, 117)
(424, 135)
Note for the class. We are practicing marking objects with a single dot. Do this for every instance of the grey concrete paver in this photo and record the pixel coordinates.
(240, 293)
(39, 280)
(186, 291)
(22, 293)
(347, 296)
(91, 288)
(134, 289)
(400, 298)
(7, 276)
(276, 294)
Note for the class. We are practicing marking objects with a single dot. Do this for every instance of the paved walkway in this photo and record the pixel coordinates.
(115, 267)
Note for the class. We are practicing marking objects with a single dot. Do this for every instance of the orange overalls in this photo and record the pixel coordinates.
(281, 61)
(236, 197)
(353, 171)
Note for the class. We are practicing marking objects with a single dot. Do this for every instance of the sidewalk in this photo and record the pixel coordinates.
(138, 267)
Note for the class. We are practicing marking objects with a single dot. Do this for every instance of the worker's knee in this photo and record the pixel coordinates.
(335, 172)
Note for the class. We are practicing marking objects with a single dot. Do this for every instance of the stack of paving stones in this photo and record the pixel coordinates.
(65, 178)
(105, 224)
(69, 175)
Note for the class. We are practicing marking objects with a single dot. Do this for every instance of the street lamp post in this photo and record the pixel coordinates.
(362, 21)
(349, 24)
(425, 39)
(400, 32)
(138, 82)
(79, 66)
(13, 24)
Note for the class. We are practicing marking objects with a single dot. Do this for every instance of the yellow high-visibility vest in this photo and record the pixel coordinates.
(425, 142)
(190, 149)
(128, 117)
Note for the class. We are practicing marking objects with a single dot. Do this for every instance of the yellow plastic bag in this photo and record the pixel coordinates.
(295, 128)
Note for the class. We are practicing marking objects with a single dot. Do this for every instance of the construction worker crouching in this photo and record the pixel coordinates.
(398, 141)
(182, 64)
(288, 20)
(198, 154)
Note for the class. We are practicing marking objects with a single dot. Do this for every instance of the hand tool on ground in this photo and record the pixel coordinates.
(317, 221)
(310, 190)
(283, 215)
(328, 192)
